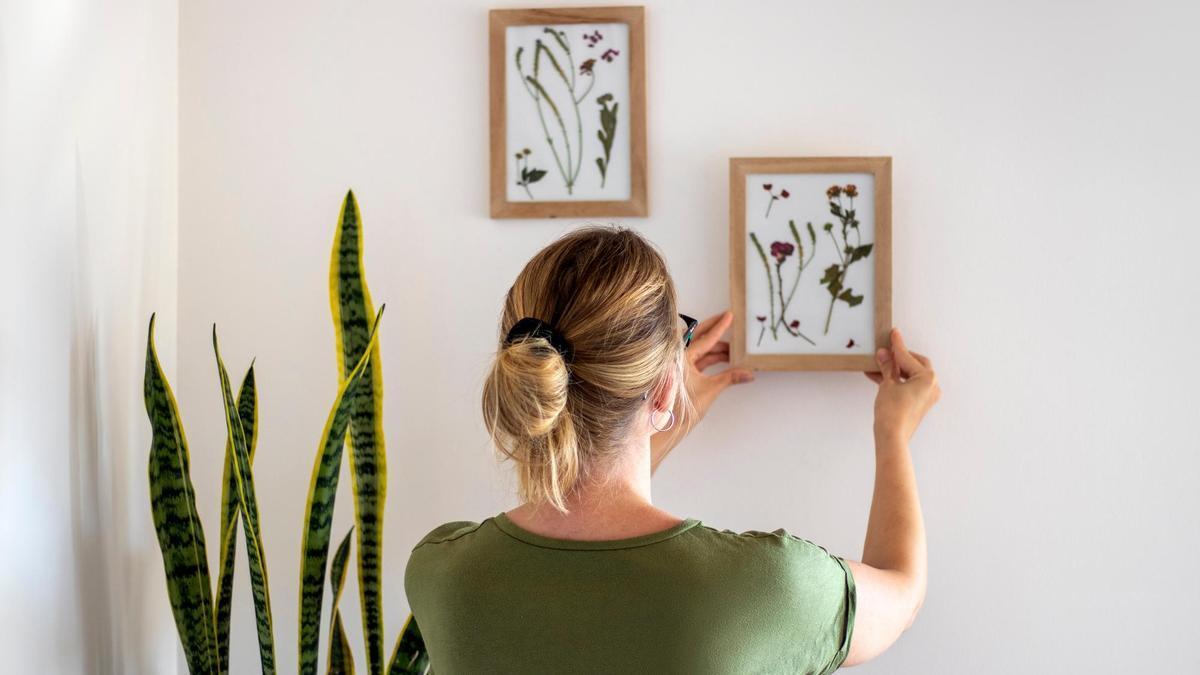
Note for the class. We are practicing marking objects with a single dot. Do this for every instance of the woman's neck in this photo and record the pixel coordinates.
(614, 505)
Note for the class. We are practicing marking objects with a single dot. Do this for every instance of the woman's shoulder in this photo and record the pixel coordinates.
(447, 532)
(776, 537)
(446, 548)
(775, 543)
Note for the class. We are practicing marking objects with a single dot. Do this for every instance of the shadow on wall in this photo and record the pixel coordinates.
(91, 517)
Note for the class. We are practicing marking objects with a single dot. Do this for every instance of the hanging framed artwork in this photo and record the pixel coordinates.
(810, 246)
(567, 112)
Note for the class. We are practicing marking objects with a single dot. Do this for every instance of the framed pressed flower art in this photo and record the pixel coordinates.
(810, 261)
(567, 112)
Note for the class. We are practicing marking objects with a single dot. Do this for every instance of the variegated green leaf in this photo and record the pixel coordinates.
(248, 506)
(341, 660)
(350, 301)
(409, 656)
(180, 534)
(247, 404)
(318, 516)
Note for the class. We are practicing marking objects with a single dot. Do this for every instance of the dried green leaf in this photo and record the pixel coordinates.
(850, 298)
(833, 279)
(861, 252)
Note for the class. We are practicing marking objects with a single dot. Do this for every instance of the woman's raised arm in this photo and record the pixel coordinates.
(890, 580)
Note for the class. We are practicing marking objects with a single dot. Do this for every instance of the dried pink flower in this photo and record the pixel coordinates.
(780, 250)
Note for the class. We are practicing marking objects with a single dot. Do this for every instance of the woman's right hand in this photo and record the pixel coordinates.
(908, 388)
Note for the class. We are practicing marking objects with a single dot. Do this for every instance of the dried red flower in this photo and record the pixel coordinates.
(785, 194)
(833, 191)
(767, 187)
(851, 190)
(795, 324)
(780, 250)
(850, 344)
(761, 318)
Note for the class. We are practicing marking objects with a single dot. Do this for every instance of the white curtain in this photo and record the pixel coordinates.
(88, 209)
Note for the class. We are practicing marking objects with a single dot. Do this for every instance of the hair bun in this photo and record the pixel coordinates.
(525, 409)
(531, 379)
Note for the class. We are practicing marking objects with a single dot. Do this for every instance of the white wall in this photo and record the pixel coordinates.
(88, 212)
(1044, 239)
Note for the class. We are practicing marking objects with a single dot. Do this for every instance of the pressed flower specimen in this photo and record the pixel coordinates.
(568, 157)
(834, 279)
(783, 194)
(608, 131)
(528, 174)
(780, 252)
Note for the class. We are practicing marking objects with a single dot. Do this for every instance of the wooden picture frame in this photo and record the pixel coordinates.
(768, 181)
(532, 158)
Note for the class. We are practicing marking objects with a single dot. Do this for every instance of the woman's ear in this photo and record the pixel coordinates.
(663, 396)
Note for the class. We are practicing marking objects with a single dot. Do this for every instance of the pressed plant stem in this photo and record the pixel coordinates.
(801, 265)
(524, 182)
(829, 314)
(841, 275)
(537, 100)
(566, 174)
(525, 80)
(573, 166)
(796, 333)
(843, 255)
(574, 101)
(769, 205)
(783, 311)
(591, 83)
(761, 331)
(770, 282)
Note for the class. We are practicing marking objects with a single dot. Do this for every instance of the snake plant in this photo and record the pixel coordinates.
(354, 422)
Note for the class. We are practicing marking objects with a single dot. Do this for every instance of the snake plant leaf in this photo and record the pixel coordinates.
(248, 506)
(176, 522)
(247, 405)
(409, 656)
(341, 660)
(318, 515)
(350, 302)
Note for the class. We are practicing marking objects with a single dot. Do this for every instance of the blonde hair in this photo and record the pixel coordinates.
(606, 290)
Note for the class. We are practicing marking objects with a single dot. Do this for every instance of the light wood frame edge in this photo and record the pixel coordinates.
(739, 168)
(637, 206)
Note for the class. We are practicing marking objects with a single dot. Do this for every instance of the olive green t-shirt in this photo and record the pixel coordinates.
(492, 597)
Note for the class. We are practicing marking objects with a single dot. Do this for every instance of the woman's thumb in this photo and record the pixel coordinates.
(886, 365)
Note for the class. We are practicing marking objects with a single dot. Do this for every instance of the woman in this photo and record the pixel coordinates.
(593, 385)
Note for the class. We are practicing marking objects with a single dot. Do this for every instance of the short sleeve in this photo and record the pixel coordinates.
(827, 600)
(851, 605)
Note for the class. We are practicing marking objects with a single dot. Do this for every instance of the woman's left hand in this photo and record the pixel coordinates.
(707, 350)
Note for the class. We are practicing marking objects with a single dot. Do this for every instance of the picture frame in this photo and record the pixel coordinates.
(567, 112)
(827, 260)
